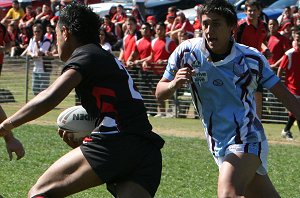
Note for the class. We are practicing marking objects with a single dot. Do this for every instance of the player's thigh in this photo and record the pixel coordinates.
(236, 172)
(70, 174)
(261, 187)
(132, 190)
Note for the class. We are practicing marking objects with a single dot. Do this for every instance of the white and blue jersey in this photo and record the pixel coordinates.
(223, 91)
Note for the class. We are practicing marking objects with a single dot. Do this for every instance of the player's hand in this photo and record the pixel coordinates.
(13, 145)
(68, 137)
(183, 77)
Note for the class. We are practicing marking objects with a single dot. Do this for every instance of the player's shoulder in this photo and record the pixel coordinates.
(290, 51)
(192, 43)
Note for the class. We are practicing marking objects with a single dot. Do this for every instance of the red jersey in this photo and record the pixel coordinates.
(248, 35)
(4, 38)
(278, 45)
(119, 17)
(129, 45)
(143, 48)
(161, 50)
(188, 27)
(291, 64)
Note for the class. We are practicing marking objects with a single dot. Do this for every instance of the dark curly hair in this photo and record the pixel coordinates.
(222, 8)
(81, 22)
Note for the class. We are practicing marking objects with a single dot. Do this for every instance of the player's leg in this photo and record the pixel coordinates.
(68, 175)
(261, 187)
(258, 101)
(236, 173)
(132, 190)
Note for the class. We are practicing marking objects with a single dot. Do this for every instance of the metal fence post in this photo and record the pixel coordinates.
(27, 78)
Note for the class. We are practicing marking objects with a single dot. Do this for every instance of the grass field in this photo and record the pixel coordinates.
(188, 168)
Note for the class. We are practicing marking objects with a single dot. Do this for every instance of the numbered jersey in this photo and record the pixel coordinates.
(108, 92)
(223, 91)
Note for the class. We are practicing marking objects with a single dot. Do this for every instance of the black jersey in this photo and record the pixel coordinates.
(107, 91)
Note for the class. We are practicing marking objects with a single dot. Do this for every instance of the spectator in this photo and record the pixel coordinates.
(172, 11)
(286, 16)
(119, 19)
(277, 44)
(5, 41)
(152, 21)
(103, 40)
(181, 23)
(169, 22)
(14, 14)
(37, 48)
(290, 64)
(286, 30)
(12, 32)
(138, 17)
(197, 23)
(129, 41)
(112, 11)
(249, 28)
(28, 19)
(45, 16)
(50, 33)
(22, 42)
(162, 47)
(110, 29)
(139, 58)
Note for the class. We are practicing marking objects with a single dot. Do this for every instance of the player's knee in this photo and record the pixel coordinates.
(226, 190)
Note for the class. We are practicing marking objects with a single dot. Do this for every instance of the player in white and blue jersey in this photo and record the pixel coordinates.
(223, 77)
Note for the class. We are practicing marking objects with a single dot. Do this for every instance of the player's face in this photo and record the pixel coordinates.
(217, 32)
(297, 40)
(62, 48)
(145, 30)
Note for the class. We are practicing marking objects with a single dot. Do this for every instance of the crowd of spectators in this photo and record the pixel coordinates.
(146, 44)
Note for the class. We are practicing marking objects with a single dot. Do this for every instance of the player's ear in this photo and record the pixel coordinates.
(65, 33)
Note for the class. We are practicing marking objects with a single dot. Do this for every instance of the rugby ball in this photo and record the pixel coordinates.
(77, 121)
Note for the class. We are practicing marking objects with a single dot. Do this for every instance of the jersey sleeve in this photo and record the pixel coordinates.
(176, 60)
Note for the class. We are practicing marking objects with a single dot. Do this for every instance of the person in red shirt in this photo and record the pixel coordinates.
(253, 32)
(290, 64)
(181, 23)
(162, 48)
(5, 41)
(142, 59)
(119, 19)
(28, 19)
(129, 41)
(277, 44)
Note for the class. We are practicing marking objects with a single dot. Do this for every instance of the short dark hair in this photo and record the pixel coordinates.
(81, 22)
(255, 3)
(222, 8)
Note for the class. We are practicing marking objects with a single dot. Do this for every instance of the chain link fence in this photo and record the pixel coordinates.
(16, 90)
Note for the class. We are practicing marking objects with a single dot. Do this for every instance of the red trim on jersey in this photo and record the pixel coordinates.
(103, 106)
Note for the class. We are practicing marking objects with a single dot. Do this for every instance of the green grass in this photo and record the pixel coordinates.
(188, 168)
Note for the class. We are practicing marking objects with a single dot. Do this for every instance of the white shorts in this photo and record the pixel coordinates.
(259, 149)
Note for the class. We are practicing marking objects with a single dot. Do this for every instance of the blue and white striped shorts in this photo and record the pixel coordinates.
(259, 149)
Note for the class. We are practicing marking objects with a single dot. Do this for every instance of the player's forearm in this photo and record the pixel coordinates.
(165, 90)
(287, 99)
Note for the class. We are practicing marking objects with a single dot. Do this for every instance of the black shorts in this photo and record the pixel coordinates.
(124, 157)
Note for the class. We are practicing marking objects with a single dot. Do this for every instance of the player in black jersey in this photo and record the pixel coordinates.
(122, 151)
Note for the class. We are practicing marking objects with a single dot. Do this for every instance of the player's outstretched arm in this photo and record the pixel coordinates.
(43, 102)
(13, 145)
(287, 99)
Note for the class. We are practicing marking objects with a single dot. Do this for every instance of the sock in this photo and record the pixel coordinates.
(40, 196)
(289, 123)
